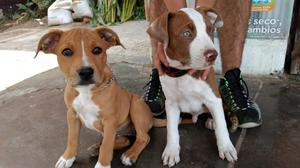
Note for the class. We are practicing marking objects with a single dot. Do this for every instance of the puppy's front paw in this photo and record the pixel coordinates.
(227, 150)
(64, 163)
(170, 155)
(98, 165)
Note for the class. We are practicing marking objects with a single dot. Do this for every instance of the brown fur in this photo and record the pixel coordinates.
(232, 35)
(161, 18)
(169, 29)
(209, 25)
(161, 29)
(170, 25)
(181, 23)
(118, 106)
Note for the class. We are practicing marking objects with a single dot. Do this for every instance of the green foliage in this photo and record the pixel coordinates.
(25, 12)
(127, 9)
(107, 12)
(31, 9)
(42, 6)
(8, 17)
(139, 11)
(2, 21)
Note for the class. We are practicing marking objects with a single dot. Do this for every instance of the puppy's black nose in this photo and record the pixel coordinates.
(86, 73)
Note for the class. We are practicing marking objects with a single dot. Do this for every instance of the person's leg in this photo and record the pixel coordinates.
(155, 8)
(243, 111)
(153, 94)
(232, 35)
(205, 3)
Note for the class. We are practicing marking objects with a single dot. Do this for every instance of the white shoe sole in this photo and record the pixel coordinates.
(250, 125)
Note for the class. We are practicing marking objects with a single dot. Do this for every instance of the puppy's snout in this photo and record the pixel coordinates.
(210, 55)
(86, 73)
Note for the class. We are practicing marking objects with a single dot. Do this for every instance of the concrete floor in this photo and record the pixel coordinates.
(33, 126)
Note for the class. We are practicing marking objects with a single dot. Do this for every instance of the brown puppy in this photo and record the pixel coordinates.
(93, 97)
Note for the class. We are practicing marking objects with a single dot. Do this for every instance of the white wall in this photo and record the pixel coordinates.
(261, 56)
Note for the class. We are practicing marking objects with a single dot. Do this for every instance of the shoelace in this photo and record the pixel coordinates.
(152, 89)
(238, 95)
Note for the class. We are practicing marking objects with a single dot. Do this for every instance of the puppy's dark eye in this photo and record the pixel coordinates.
(186, 34)
(97, 51)
(67, 52)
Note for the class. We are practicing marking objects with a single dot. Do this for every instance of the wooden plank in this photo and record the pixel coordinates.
(295, 64)
(295, 55)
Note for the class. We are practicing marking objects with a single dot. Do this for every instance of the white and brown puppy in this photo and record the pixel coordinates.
(93, 97)
(187, 38)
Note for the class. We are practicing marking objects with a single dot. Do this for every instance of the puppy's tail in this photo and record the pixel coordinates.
(158, 122)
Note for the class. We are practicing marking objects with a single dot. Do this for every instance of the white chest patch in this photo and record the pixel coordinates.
(185, 92)
(85, 107)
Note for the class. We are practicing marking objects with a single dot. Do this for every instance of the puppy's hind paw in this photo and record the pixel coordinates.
(126, 160)
(210, 124)
(64, 163)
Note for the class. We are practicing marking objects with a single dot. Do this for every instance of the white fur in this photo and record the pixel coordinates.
(170, 155)
(98, 165)
(85, 107)
(200, 43)
(209, 124)
(195, 117)
(126, 160)
(64, 163)
(85, 61)
(187, 94)
(177, 64)
(213, 19)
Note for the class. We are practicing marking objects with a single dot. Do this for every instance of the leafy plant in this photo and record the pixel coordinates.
(31, 9)
(25, 12)
(107, 12)
(139, 11)
(127, 9)
(2, 21)
(42, 6)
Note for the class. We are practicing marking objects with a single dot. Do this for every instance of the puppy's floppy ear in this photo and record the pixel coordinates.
(213, 16)
(109, 36)
(158, 29)
(49, 41)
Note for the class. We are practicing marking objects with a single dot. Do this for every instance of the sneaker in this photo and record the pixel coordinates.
(235, 95)
(153, 94)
